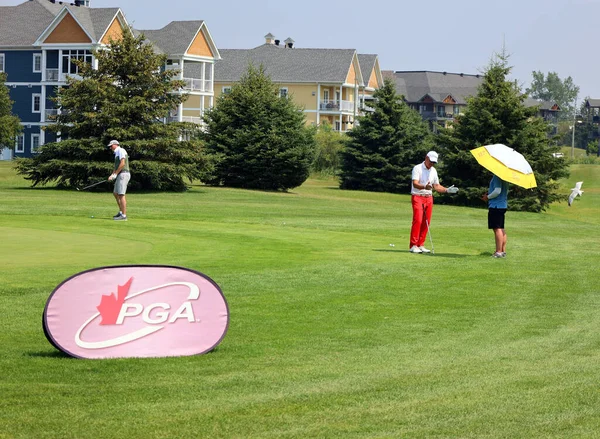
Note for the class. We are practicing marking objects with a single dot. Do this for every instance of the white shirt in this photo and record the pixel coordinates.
(423, 176)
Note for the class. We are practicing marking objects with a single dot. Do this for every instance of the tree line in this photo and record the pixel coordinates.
(253, 138)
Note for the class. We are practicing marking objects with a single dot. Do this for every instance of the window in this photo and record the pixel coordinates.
(456, 109)
(68, 58)
(35, 142)
(1, 62)
(338, 126)
(283, 92)
(20, 143)
(337, 96)
(325, 95)
(36, 103)
(37, 62)
(226, 90)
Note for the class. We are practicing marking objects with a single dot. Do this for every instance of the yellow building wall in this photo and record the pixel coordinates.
(373, 80)
(68, 31)
(114, 32)
(200, 46)
(351, 77)
(191, 107)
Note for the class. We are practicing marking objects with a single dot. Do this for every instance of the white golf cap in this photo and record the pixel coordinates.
(433, 156)
(113, 142)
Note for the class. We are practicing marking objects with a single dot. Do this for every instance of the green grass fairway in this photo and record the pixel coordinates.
(334, 333)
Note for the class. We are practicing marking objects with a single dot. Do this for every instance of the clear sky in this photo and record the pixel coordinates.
(456, 36)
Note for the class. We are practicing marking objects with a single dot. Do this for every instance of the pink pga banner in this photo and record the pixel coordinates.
(136, 311)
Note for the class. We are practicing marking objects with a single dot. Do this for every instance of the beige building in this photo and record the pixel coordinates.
(328, 83)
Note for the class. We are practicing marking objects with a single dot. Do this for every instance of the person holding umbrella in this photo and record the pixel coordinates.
(508, 166)
(497, 199)
(424, 179)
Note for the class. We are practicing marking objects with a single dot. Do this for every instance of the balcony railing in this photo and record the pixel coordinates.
(331, 105)
(432, 115)
(191, 119)
(52, 75)
(198, 84)
(50, 114)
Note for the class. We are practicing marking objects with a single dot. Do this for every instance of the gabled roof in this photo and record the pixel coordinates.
(22, 25)
(593, 103)
(285, 64)
(544, 105)
(177, 36)
(368, 63)
(414, 85)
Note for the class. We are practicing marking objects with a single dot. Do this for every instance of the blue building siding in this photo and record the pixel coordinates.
(22, 107)
(18, 66)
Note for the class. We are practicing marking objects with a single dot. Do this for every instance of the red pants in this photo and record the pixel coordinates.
(422, 207)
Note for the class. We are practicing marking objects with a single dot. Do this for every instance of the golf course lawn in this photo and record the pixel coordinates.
(336, 330)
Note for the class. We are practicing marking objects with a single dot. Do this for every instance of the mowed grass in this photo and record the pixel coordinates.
(334, 333)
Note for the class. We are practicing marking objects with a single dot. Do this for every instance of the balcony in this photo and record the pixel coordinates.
(431, 115)
(336, 106)
(193, 84)
(190, 119)
(52, 75)
(50, 114)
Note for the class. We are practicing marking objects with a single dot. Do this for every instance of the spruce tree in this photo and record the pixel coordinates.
(9, 124)
(256, 139)
(126, 98)
(497, 114)
(384, 147)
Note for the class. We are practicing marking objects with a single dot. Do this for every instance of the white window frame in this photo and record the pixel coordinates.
(33, 96)
(66, 67)
(226, 90)
(283, 92)
(326, 95)
(36, 149)
(37, 58)
(2, 60)
(39, 138)
(20, 143)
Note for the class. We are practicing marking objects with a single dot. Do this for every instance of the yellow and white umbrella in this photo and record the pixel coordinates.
(506, 163)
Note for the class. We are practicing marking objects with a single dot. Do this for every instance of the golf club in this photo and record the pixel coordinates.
(428, 230)
(430, 238)
(92, 185)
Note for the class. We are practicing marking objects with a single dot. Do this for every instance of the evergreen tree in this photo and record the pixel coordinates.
(9, 124)
(329, 145)
(256, 139)
(386, 144)
(497, 115)
(126, 98)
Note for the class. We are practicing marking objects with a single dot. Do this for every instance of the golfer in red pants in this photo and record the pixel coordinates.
(424, 179)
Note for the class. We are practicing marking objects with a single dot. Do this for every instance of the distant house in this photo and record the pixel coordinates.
(327, 83)
(39, 39)
(593, 115)
(440, 96)
(190, 50)
(372, 76)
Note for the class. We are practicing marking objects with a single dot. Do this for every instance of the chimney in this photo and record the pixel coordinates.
(289, 43)
(277, 42)
(269, 38)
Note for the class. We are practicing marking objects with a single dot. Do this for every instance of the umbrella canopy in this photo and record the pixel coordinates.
(506, 163)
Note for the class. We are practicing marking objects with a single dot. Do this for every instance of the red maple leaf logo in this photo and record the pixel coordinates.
(110, 306)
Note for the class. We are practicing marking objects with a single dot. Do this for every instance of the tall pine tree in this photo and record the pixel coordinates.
(256, 139)
(386, 144)
(497, 115)
(126, 98)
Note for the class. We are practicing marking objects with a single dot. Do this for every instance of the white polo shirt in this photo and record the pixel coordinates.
(423, 176)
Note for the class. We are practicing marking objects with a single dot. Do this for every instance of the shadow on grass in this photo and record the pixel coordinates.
(48, 354)
(437, 254)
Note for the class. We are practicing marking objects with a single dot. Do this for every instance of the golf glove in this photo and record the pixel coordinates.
(112, 177)
(452, 190)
